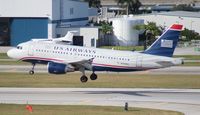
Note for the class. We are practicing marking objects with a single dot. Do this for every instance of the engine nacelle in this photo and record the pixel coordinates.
(58, 68)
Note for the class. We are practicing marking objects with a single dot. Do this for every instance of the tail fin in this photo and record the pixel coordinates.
(69, 35)
(166, 43)
(67, 38)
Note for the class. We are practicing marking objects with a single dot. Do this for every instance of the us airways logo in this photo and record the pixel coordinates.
(72, 49)
(167, 43)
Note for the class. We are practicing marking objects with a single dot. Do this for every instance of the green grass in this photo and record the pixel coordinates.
(6, 109)
(129, 48)
(188, 57)
(3, 56)
(13, 62)
(191, 64)
(105, 80)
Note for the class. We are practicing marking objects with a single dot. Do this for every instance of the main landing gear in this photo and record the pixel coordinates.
(31, 72)
(93, 76)
(84, 78)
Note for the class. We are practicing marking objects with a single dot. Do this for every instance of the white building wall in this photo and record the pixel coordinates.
(68, 13)
(89, 34)
(56, 9)
(93, 12)
(52, 30)
(191, 23)
(25, 8)
(124, 33)
(80, 9)
(74, 12)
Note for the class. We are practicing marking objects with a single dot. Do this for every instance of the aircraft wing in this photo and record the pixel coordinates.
(85, 63)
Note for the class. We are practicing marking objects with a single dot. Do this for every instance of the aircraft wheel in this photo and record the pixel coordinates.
(93, 76)
(31, 72)
(84, 79)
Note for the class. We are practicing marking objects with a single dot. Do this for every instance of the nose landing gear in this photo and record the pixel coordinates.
(31, 72)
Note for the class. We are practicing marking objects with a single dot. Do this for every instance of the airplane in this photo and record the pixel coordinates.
(61, 57)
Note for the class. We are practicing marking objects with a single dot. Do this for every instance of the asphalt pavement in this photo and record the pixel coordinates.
(186, 101)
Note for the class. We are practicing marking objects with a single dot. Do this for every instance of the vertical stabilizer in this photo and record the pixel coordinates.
(69, 36)
(166, 43)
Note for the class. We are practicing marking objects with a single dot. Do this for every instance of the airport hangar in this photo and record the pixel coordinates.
(22, 20)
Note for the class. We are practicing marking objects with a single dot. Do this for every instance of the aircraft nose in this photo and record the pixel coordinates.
(11, 53)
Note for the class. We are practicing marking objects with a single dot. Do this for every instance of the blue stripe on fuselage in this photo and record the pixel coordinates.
(36, 61)
(102, 68)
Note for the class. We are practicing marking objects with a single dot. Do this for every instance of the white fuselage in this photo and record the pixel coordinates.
(103, 59)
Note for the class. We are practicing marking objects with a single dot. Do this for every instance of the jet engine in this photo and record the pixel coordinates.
(58, 68)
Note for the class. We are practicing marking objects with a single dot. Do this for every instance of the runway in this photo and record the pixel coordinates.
(183, 100)
(193, 70)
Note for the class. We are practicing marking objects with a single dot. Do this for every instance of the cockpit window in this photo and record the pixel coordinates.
(19, 47)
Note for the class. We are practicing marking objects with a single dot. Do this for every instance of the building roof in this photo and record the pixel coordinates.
(153, 2)
(181, 14)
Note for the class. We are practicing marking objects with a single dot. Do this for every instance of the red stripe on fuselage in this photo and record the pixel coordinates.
(114, 66)
(39, 58)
